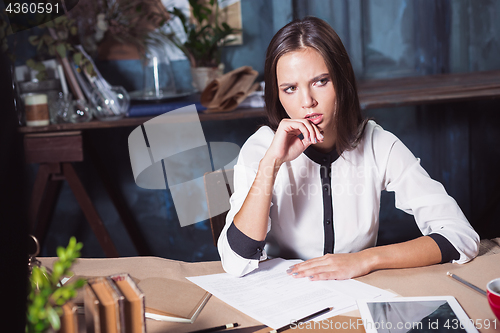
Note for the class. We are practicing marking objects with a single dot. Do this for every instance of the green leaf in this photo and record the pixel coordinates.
(61, 253)
(58, 270)
(34, 40)
(77, 58)
(31, 63)
(52, 50)
(73, 30)
(61, 19)
(48, 39)
(39, 66)
(79, 283)
(89, 69)
(61, 49)
(53, 317)
(41, 76)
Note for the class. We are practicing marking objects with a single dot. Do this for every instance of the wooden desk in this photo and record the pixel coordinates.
(425, 281)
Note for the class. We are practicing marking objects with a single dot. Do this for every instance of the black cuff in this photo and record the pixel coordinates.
(448, 251)
(243, 245)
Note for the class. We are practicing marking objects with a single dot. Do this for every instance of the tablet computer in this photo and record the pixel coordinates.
(414, 314)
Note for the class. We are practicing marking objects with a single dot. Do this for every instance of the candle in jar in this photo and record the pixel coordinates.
(37, 110)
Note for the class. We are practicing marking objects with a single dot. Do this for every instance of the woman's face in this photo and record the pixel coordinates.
(306, 90)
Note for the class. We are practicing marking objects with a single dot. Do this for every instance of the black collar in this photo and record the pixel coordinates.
(321, 158)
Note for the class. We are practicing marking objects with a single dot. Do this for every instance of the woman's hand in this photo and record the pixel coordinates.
(287, 145)
(339, 266)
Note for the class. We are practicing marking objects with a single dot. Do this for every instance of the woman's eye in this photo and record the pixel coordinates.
(322, 82)
(290, 90)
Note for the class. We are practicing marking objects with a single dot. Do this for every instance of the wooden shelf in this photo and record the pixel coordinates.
(373, 94)
(136, 121)
(456, 87)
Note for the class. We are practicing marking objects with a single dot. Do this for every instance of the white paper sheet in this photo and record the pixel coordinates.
(274, 298)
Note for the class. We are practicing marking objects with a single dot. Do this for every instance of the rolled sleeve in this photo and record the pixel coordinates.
(232, 262)
(243, 245)
(448, 251)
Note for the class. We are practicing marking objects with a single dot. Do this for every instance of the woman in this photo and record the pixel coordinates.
(310, 183)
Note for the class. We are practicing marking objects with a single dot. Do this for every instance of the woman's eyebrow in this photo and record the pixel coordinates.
(319, 77)
(283, 85)
(314, 79)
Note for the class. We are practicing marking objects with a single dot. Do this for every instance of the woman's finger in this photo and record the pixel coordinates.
(317, 132)
(303, 126)
(306, 265)
(310, 271)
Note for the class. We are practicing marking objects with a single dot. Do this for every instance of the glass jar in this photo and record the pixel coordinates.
(70, 111)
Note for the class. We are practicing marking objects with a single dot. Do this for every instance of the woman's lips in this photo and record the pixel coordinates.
(314, 118)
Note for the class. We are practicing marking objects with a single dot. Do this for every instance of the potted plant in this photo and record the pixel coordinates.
(205, 37)
(47, 296)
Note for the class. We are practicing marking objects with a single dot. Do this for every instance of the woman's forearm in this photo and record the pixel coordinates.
(253, 216)
(422, 251)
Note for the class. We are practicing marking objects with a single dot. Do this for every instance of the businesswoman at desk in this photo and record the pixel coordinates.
(309, 184)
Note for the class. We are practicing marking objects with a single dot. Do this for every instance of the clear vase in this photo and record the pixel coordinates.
(110, 103)
(106, 101)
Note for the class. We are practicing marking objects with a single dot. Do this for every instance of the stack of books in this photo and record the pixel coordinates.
(117, 304)
(114, 304)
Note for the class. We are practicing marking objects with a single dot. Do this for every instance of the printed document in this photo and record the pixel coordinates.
(275, 298)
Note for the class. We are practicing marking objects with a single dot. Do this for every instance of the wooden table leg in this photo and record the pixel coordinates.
(90, 212)
(42, 177)
(47, 208)
(119, 202)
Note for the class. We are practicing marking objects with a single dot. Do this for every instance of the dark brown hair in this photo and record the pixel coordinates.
(312, 32)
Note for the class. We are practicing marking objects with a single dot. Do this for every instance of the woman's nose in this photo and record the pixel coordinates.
(308, 100)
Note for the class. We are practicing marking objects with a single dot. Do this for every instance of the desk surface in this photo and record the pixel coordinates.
(424, 281)
(373, 94)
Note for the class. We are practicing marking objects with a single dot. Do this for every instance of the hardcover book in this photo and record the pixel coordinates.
(173, 300)
(133, 305)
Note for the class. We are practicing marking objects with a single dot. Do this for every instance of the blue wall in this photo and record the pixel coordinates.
(385, 38)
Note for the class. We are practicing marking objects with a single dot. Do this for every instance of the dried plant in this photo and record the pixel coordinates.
(90, 22)
(127, 21)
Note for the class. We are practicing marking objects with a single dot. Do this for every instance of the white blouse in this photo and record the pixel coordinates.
(297, 224)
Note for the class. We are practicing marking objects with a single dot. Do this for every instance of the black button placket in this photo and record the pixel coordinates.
(325, 161)
(326, 181)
